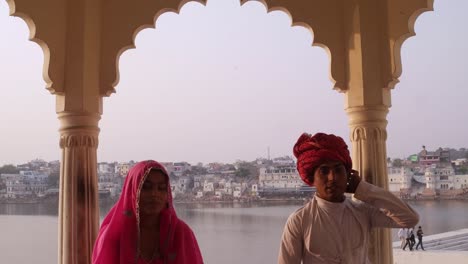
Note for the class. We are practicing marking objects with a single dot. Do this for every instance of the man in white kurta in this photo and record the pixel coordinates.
(332, 228)
(326, 232)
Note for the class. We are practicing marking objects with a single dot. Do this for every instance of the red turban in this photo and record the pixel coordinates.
(311, 151)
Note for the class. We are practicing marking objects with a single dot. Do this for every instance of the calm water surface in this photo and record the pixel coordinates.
(227, 233)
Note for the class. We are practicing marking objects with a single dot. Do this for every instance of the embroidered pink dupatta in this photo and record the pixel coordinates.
(117, 241)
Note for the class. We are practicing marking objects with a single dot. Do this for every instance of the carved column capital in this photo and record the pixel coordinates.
(360, 133)
(79, 129)
(72, 141)
(368, 122)
(368, 135)
(367, 114)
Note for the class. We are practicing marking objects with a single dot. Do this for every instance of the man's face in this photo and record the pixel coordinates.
(330, 179)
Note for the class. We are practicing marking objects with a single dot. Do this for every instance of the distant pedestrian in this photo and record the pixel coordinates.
(408, 239)
(419, 234)
(402, 236)
(412, 238)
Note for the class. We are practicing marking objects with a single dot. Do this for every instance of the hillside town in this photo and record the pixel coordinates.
(439, 174)
(241, 181)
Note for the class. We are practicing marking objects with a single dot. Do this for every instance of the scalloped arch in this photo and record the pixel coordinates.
(398, 68)
(315, 42)
(294, 23)
(32, 37)
(138, 30)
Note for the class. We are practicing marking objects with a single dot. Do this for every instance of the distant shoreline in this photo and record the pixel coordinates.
(237, 201)
(113, 200)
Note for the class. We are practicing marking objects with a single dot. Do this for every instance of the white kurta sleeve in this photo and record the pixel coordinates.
(386, 209)
(292, 244)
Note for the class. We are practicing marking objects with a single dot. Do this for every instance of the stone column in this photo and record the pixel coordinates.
(78, 203)
(368, 138)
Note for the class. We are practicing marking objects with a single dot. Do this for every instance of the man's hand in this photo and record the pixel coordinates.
(353, 181)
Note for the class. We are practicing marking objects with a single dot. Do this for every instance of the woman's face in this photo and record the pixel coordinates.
(153, 194)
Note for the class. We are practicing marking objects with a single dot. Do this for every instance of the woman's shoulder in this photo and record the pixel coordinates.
(184, 235)
(181, 226)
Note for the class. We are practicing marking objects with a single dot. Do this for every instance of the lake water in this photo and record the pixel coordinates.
(227, 233)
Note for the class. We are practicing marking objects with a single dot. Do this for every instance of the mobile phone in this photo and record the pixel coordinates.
(348, 181)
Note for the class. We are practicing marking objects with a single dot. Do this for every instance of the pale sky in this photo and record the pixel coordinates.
(223, 82)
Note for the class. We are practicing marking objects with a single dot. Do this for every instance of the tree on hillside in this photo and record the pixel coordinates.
(195, 170)
(53, 179)
(2, 185)
(461, 170)
(246, 170)
(243, 172)
(198, 170)
(397, 163)
(9, 169)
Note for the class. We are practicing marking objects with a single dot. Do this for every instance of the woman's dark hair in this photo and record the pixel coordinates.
(161, 171)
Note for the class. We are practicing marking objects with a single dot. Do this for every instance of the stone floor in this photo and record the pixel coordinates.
(448, 248)
(429, 257)
(451, 241)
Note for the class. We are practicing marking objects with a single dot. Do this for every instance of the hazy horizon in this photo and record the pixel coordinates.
(222, 82)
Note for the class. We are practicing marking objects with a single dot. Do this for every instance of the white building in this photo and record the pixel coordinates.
(284, 161)
(208, 187)
(197, 181)
(17, 187)
(109, 182)
(254, 189)
(279, 177)
(26, 183)
(439, 178)
(399, 179)
(38, 163)
(105, 167)
(122, 168)
(459, 162)
(178, 168)
(444, 182)
(34, 175)
(182, 184)
(460, 182)
(237, 192)
(173, 188)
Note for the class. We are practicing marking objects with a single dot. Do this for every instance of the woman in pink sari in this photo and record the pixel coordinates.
(142, 227)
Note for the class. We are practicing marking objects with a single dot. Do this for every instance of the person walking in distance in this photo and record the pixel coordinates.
(408, 240)
(402, 236)
(412, 238)
(419, 234)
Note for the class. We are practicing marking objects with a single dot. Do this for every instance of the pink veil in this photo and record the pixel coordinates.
(118, 235)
